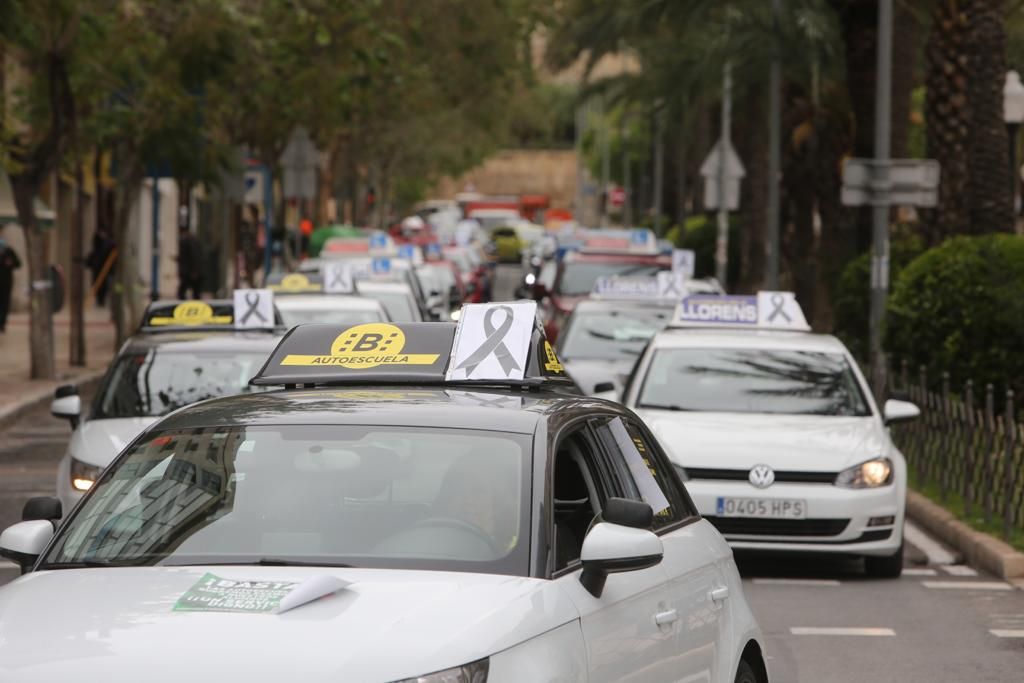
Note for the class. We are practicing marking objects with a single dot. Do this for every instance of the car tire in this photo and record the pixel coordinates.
(745, 673)
(886, 567)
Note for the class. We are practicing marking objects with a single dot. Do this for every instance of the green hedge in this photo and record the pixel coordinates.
(853, 291)
(959, 307)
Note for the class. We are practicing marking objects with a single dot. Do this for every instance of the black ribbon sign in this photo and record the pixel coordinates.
(494, 344)
(252, 300)
(671, 284)
(340, 282)
(778, 303)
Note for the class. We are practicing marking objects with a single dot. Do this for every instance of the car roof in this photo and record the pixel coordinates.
(384, 286)
(328, 302)
(615, 257)
(775, 340)
(227, 341)
(485, 408)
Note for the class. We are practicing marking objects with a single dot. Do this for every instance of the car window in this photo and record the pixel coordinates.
(293, 317)
(610, 334)
(578, 277)
(381, 497)
(752, 381)
(578, 494)
(158, 381)
(654, 465)
(399, 305)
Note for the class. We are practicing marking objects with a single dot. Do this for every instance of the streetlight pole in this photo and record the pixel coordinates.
(722, 244)
(774, 150)
(1013, 115)
(880, 211)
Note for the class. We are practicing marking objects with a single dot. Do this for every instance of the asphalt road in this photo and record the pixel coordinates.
(823, 620)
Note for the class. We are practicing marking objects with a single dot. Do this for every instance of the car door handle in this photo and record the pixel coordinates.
(666, 617)
(719, 594)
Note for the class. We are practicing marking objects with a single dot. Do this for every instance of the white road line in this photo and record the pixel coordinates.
(921, 571)
(958, 570)
(969, 585)
(796, 582)
(840, 631)
(1007, 632)
(930, 547)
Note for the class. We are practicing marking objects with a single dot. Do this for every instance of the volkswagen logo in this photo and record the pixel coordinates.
(761, 476)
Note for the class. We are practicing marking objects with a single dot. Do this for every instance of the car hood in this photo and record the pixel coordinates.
(97, 442)
(119, 625)
(587, 373)
(810, 443)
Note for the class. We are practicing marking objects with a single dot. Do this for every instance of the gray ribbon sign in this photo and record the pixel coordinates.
(493, 344)
(252, 300)
(778, 304)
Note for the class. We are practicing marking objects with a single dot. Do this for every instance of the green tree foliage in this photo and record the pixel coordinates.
(959, 307)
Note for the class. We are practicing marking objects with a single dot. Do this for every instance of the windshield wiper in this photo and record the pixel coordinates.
(87, 564)
(676, 408)
(259, 562)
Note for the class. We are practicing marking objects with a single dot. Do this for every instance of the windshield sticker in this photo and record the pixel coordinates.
(552, 364)
(366, 346)
(215, 594)
(648, 486)
(192, 313)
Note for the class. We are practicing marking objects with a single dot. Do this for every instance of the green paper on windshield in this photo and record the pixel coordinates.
(215, 594)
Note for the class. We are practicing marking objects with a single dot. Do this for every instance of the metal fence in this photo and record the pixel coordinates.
(966, 447)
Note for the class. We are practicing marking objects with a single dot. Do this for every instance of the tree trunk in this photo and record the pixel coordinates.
(76, 281)
(41, 357)
(128, 305)
(754, 207)
(989, 183)
(948, 119)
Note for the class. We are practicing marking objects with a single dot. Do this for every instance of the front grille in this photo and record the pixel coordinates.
(743, 475)
(750, 526)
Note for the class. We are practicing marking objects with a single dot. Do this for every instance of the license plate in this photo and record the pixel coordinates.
(770, 508)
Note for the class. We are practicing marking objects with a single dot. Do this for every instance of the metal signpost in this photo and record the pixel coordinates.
(722, 175)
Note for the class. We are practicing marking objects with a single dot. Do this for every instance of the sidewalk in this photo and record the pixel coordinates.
(19, 393)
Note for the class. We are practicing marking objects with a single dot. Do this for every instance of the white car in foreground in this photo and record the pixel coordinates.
(777, 434)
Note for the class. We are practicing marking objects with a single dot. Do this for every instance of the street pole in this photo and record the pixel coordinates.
(154, 290)
(774, 151)
(659, 170)
(605, 165)
(1011, 129)
(268, 219)
(627, 205)
(578, 212)
(722, 244)
(880, 211)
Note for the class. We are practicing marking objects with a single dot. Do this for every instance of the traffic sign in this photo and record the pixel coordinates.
(896, 182)
(616, 196)
(734, 172)
(299, 161)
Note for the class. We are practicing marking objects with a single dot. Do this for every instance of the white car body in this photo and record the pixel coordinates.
(396, 297)
(723, 447)
(337, 309)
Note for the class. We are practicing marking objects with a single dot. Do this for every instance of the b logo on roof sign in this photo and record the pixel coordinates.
(366, 346)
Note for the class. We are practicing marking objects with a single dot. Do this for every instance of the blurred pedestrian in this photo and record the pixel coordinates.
(190, 265)
(9, 262)
(102, 248)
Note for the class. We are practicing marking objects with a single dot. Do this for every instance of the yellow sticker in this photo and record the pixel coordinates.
(552, 365)
(191, 313)
(366, 346)
(296, 282)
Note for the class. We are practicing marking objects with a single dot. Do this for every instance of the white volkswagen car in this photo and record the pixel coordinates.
(413, 527)
(775, 430)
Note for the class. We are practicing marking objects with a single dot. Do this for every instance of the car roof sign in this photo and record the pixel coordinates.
(495, 344)
(284, 284)
(254, 309)
(663, 286)
(766, 310)
(206, 315)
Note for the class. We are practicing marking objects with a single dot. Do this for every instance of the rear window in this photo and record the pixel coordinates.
(578, 278)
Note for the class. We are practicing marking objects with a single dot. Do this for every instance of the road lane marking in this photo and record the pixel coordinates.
(922, 571)
(958, 570)
(1007, 632)
(930, 547)
(840, 631)
(796, 582)
(969, 585)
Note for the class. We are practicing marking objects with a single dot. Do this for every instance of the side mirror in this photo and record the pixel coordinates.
(900, 411)
(42, 508)
(24, 542)
(612, 548)
(67, 404)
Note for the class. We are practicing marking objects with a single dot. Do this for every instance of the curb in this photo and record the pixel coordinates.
(978, 548)
(36, 398)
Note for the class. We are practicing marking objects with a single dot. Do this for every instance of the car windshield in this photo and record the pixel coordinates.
(578, 277)
(752, 381)
(157, 381)
(399, 305)
(333, 316)
(611, 335)
(381, 497)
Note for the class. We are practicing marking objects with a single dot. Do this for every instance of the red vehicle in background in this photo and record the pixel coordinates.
(565, 281)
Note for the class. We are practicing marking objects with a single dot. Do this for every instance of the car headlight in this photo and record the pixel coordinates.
(530, 278)
(83, 475)
(681, 471)
(867, 475)
(455, 315)
(474, 672)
